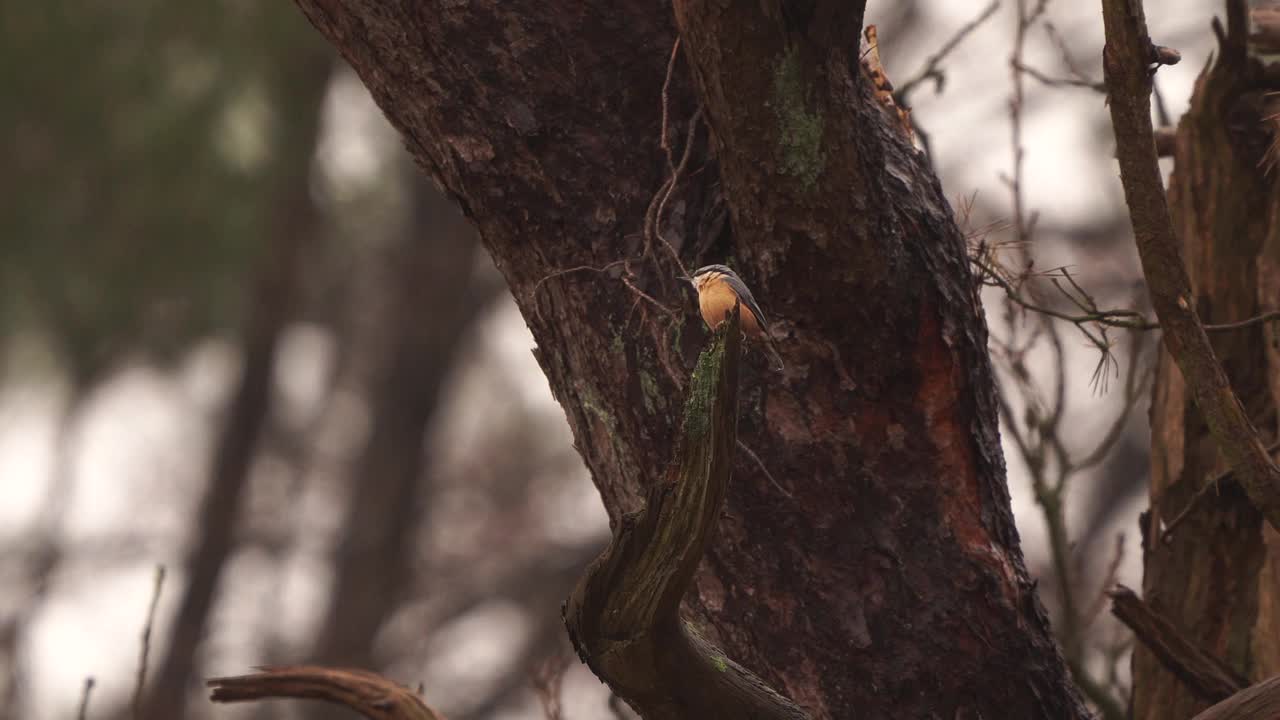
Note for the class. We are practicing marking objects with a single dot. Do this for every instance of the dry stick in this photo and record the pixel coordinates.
(1206, 676)
(1213, 487)
(760, 463)
(1108, 579)
(656, 228)
(663, 142)
(548, 684)
(1116, 318)
(1060, 81)
(932, 67)
(1052, 31)
(83, 713)
(141, 680)
(371, 695)
(1127, 61)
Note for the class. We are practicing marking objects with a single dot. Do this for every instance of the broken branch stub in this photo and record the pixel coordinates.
(623, 617)
(368, 694)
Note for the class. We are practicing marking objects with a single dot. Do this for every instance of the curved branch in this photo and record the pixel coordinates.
(370, 695)
(623, 616)
(1128, 61)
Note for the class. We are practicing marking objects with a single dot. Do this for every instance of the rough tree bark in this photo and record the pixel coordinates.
(886, 581)
(1218, 575)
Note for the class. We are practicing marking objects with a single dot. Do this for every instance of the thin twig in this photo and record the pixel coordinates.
(1213, 487)
(548, 681)
(932, 69)
(83, 713)
(141, 680)
(656, 229)
(1052, 31)
(1078, 77)
(760, 463)
(663, 141)
(1117, 318)
(1050, 81)
(1108, 581)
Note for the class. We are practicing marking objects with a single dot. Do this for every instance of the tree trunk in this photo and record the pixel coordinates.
(429, 305)
(1217, 577)
(269, 304)
(867, 565)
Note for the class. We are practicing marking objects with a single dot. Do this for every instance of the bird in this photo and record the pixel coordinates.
(719, 289)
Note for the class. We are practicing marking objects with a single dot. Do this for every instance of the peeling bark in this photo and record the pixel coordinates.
(889, 583)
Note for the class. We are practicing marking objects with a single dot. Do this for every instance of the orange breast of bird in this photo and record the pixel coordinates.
(716, 302)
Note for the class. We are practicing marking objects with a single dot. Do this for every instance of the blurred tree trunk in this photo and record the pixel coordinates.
(42, 553)
(886, 580)
(1219, 577)
(303, 82)
(430, 303)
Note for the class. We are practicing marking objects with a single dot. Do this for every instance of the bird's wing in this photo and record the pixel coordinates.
(740, 289)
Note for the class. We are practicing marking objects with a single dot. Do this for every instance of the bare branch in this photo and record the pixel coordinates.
(1212, 488)
(548, 683)
(1049, 81)
(1206, 676)
(83, 712)
(370, 695)
(932, 69)
(141, 680)
(1128, 62)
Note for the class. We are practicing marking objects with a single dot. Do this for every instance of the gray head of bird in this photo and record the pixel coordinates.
(708, 273)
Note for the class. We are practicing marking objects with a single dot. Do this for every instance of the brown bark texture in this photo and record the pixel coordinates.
(878, 573)
(1217, 578)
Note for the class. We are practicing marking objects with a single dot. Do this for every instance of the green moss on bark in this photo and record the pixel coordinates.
(800, 153)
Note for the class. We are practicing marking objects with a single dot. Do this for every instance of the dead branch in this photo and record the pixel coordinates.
(1256, 701)
(83, 712)
(932, 69)
(624, 615)
(371, 695)
(1206, 676)
(1212, 488)
(141, 680)
(1129, 60)
(1050, 81)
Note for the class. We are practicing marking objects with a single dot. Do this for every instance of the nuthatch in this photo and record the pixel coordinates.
(719, 288)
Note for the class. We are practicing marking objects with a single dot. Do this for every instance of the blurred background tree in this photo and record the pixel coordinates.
(244, 338)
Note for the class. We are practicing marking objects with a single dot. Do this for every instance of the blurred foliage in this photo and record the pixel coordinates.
(142, 141)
